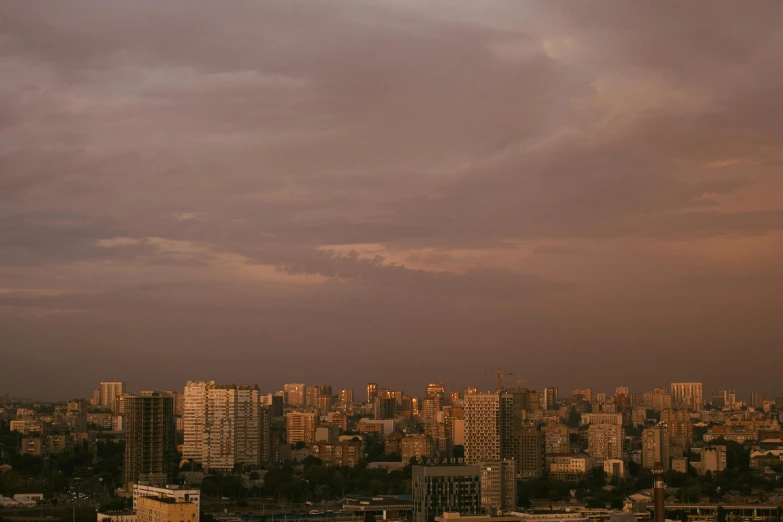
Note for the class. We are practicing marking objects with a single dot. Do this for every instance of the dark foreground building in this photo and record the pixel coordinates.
(150, 440)
(439, 489)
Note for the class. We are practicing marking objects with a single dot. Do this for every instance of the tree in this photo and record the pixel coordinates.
(721, 514)
(369, 517)
(254, 475)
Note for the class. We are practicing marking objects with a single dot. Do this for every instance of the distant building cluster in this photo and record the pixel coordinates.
(468, 448)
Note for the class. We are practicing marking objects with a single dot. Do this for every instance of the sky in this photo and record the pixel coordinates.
(581, 193)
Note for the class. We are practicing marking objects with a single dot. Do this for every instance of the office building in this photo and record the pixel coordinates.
(429, 408)
(449, 489)
(614, 468)
(294, 395)
(110, 391)
(568, 467)
(150, 440)
(498, 486)
(655, 447)
(436, 389)
(687, 394)
(300, 427)
(757, 399)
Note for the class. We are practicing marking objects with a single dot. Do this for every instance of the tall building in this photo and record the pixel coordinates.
(150, 440)
(294, 395)
(265, 434)
(605, 441)
(346, 396)
(584, 394)
(756, 399)
(531, 458)
(415, 446)
(655, 447)
(550, 397)
(499, 486)
(372, 392)
(436, 389)
(110, 391)
(300, 427)
(658, 399)
(385, 408)
(429, 408)
(492, 425)
(449, 489)
(232, 427)
(222, 425)
(688, 394)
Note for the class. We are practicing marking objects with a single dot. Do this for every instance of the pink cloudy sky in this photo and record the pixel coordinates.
(585, 193)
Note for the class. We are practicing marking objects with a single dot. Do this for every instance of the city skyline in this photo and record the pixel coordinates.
(390, 191)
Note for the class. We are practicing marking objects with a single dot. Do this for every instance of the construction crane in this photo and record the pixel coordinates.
(499, 373)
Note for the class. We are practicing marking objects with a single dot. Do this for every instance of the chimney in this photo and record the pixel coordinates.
(659, 490)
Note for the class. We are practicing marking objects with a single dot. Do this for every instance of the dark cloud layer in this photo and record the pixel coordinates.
(390, 191)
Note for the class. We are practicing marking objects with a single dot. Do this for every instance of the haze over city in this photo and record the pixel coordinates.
(390, 191)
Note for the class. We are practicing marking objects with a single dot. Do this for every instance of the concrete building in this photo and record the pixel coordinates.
(658, 399)
(655, 447)
(498, 486)
(372, 392)
(583, 394)
(342, 453)
(689, 394)
(385, 408)
(569, 467)
(529, 452)
(151, 509)
(556, 438)
(173, 492)
(614, 468)
(605, 441)
(492, 424)
(450, 489)
(223, 425)
(116, 516)
(150, 440)
(550, 398)
(109, 392)
(602, 418)
(294, 395)
(346, 396)
(712, 459)
(301, 426)
(415, 446)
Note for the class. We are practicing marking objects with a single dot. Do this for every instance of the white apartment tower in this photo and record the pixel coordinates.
(223, 425)
(110, 390)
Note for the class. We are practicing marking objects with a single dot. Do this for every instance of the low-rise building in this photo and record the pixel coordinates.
(570, 467)
(164, 509)
(343, 453)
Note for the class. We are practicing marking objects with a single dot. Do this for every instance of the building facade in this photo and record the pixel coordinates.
(439, 489)
(150, 440)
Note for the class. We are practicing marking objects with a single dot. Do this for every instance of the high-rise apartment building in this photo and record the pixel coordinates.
(658, 399)
(482, 428)
(550, 398)
(689, 394)
(294, 395)
(150, 440)
(451, 489)
(346, 396)
(429, 408)
(499, 486)
(655, 447)
(605, 441)
(232, 427)
(385, 408)
(300, 427)
(110, 391)
(756, 399)
(222, 425)
(372, 392)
